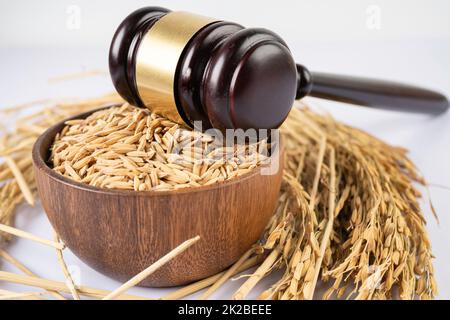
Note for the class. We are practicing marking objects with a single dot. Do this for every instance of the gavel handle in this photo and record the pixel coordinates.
(369, 92)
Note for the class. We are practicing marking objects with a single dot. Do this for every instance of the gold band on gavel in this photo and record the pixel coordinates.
(157, 58)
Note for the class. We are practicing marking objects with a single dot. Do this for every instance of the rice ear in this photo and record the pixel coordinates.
(377, 239)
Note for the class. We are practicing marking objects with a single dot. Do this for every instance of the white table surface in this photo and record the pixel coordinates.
(24, 74)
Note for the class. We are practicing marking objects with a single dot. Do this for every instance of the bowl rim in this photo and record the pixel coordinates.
(42, 165)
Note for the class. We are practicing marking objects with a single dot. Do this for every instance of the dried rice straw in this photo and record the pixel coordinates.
(20, 180)
(77, 75)
(205, 283)
(67, 275)
(227, 274)
(29, 236)
(59, 286)
(377, 240)
(7, 257)
(152, 268)
(21, 295)
(26, 297)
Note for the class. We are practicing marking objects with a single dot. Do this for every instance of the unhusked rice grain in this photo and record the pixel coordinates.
(133, 149)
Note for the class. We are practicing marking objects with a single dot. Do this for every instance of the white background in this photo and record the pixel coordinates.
(43, 39)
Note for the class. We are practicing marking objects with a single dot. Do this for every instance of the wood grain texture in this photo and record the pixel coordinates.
(120, 233)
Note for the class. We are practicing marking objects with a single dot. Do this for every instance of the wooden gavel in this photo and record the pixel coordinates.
(191, 68)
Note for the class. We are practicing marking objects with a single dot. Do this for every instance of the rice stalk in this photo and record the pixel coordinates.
(335, 175)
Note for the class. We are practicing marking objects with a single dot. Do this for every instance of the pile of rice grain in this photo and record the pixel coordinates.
(133, 149)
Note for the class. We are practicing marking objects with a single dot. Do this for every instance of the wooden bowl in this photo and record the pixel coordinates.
(120, 233)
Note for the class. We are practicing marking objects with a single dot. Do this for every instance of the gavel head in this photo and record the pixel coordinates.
(189, 68)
